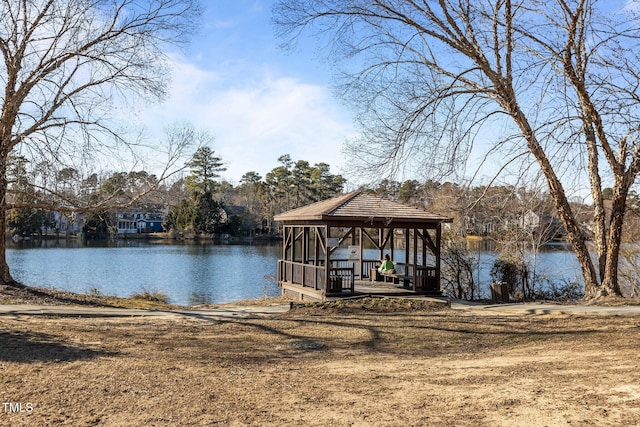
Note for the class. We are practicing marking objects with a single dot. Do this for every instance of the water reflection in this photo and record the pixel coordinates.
(188, 274)
(491, 245)
(201, 298)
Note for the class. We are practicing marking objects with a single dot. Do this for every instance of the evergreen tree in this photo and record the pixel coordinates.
(201, 213)
(205, 166)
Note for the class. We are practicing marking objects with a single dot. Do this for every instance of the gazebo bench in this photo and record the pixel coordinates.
(390, 277)
(397, 278)
(378, 276)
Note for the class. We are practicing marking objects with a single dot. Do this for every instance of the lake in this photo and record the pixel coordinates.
(188, 273)
(192, 274)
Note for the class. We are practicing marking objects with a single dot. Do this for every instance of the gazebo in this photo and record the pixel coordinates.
(331, 247)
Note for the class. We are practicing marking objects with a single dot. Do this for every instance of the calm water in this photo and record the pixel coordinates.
(188, 274)
(195, 274)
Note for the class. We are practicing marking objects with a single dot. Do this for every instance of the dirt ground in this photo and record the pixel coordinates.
(322, 366)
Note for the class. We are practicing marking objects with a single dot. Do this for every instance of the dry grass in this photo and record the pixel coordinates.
(321, 366)
(21, 294)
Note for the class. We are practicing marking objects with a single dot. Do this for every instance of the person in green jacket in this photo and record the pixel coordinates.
(387, 265)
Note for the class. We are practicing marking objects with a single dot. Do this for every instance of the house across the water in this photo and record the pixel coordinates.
(138, 222)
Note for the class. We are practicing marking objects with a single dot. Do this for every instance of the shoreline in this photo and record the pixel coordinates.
(163, 236)
(18, 293)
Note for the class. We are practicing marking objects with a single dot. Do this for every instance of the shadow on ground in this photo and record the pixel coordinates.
(26, 347)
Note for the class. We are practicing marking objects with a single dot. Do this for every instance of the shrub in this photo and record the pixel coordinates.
(513, 271)
(154, 296)
(567, 291)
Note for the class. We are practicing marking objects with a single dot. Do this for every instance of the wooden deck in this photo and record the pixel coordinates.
(361, 288)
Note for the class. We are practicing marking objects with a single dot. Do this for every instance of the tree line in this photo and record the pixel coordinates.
(198, 204)
(201, 203)
(517, 222)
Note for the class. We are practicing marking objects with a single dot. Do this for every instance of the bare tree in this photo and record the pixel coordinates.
(458, 264)
(560, 77)
(68, 68)
(528, 229)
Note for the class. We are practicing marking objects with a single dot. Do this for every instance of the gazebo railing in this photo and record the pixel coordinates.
(425, 276)
(298, 273)
(341, 278)
(367, 265)
(427, 279)
(313, 276)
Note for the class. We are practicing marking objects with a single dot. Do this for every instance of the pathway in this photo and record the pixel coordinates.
(249, 311)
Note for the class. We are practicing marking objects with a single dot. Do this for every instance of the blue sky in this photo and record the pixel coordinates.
(257, 101)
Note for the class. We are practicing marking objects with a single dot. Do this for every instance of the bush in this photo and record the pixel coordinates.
(154, 296)
(514, 272)
(567, 291)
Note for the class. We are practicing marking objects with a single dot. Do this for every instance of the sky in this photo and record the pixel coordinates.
(257, 101)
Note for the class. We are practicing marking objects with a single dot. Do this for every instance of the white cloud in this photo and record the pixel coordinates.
(257, 119)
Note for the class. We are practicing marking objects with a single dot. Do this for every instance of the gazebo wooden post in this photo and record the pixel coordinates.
(313, 252)
(294, 232)
(316, 244)
(353, 243)
(327, 260)
(285, 230)
(304, 247)
(283, 265)
(438, 250)
(415, 259)
(325, 245)
(406, 249)
(424, 248)
(361, 255)
(305, 244)
(391, 242)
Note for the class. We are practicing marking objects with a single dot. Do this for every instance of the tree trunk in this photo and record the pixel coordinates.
(5, 275)
(599, 215)
(610, 285)
(560, 200)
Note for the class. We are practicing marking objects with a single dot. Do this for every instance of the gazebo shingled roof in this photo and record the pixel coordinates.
(360, 206)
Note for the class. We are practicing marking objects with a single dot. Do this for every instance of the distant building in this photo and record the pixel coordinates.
(64, 223)
(529, 221)
(150, 223)
(480, 225)
(139, 222)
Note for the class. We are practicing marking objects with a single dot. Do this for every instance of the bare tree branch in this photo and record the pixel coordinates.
(65, 65)
(427, 76)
